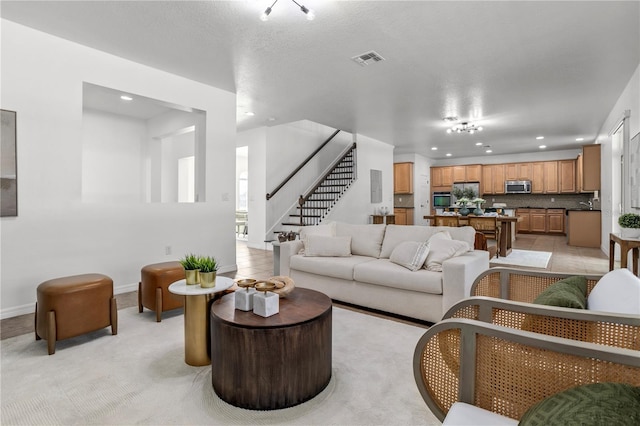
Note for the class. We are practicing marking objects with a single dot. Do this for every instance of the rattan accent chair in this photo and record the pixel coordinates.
(511, 292)
(503, 371)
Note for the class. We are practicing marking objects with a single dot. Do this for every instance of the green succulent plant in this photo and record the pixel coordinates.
(208, 264)
(629, 220)
(190, 262)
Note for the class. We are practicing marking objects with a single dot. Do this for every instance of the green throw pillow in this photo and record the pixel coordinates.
(569, 293)
(593, 404)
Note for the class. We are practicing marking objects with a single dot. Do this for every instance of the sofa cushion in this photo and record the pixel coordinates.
(319, 245)
(366, 240)
(569, 293)
(386, 273)
(410, 254)
(617, 291)
(593, 404)
(336, 267)
(441, 249)
(395, 234)
(462, 233)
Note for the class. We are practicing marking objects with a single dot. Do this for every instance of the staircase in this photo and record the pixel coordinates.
(314, 206)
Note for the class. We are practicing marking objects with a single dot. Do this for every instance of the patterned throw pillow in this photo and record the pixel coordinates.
(593, 404)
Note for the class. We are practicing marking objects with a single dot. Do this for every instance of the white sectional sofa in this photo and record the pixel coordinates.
(366, 265)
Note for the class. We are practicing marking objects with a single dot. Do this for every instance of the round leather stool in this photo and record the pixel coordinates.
(70, 306)
(153, 288)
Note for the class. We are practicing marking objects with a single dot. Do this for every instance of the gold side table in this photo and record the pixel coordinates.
(196, 319)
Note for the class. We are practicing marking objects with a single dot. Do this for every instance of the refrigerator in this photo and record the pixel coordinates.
(475, 186)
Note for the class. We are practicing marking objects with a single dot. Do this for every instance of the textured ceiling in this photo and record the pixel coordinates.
(520, 69)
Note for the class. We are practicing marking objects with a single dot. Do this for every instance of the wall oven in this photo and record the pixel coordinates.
(517, 187)
(441, 200)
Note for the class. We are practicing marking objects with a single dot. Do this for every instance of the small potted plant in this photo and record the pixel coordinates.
(208, 270)
(630, 224)
(191, 265)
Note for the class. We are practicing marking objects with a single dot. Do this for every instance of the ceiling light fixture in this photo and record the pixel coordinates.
(448, 154)
(310, 13)
(126, 98)
(579, 139)
(478, 143)
(434, 148)
(542, 146)
(465, 127)
(250, 113)
(539, 138)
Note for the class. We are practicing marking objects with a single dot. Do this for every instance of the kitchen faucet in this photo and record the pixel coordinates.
(589, 204)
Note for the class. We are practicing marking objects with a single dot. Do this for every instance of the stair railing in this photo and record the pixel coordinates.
(343, 182)
(304, 163)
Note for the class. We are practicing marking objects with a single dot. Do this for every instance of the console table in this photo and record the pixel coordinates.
(275, 362)
(626, 244)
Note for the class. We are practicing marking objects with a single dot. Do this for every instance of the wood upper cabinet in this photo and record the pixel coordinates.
(591, 168)
(442, 177)
(469, 173)
(403, 178)
(551, 177)
(567, 176)
(492, 179)
(537, 178)
(518, 171)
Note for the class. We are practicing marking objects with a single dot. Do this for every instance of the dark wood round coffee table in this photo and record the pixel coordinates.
(276, 362)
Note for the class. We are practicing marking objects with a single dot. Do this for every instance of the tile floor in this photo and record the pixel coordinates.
(257, 263)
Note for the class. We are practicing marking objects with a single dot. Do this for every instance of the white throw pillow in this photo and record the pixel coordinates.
(366, 240)
(327, 230)
(441, 249)
(410, 254)
(319, 245)
(441, 235)
(617, 291)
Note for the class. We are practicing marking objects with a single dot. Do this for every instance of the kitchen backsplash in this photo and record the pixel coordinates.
(403, 201)
(561, 201)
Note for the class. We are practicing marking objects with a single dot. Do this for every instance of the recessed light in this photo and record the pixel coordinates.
(489, 151)
(126, 98)
(542, 146)
(434, 148)
(540, 137)
(478, 143)
(250, 113)
(579, 139)
(448, 154)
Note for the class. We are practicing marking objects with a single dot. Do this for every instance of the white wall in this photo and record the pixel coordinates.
(56, 233)
(256, 141)
(629, 100)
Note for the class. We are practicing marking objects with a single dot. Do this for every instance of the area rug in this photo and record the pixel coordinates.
(525, 258)
(140, 377)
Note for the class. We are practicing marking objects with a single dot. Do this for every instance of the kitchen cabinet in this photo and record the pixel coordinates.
(403, 216)
(567, 176)
(468, 173)
(584, 228)
(493, 177)
(442, 177)
(555, 221)
(525, 224)
(551, 177)
(518, 171)
(538, 220)
(591, 168)
(403, 178)
(537, 177)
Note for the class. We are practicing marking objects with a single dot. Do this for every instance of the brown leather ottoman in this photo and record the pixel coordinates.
(153, 290)
(71, 306)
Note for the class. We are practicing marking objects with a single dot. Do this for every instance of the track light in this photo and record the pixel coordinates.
(310, 13)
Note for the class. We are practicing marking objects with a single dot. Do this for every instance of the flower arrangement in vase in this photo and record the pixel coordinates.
(463, 202)
(478, 202)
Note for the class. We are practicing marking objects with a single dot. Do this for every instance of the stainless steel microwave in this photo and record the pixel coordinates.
(517, 187)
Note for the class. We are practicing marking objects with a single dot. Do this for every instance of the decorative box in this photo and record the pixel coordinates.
(244, 299)
(266, 304)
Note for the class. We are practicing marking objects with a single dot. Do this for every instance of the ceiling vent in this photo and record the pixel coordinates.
(367, 58)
